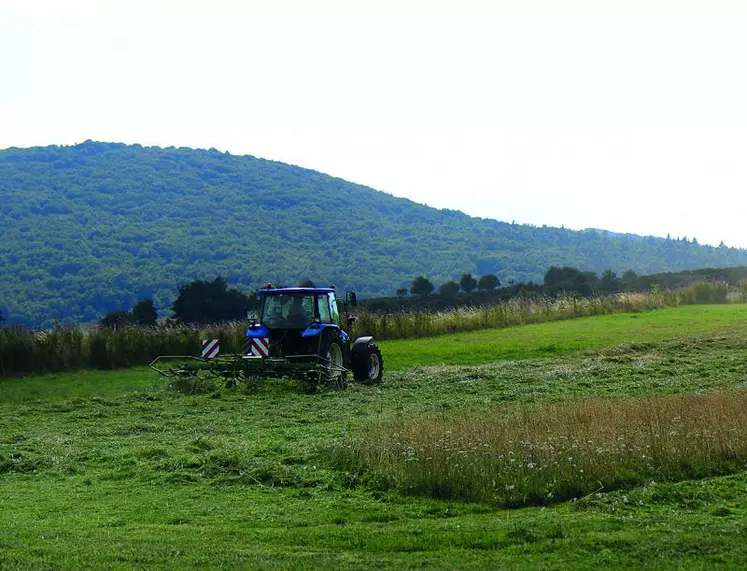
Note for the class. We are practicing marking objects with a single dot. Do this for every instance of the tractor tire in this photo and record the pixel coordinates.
(369, 369)
(332, 358)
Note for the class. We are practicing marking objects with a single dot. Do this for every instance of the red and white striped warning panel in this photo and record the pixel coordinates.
(260, 347)
(210, 348)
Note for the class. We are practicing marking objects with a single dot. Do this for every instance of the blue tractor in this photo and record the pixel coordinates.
(298, 333)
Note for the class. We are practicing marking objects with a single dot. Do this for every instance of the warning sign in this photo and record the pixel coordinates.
(260, 347)
(210, 348)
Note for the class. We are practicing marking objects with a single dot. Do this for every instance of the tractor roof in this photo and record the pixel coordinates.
(309, 290)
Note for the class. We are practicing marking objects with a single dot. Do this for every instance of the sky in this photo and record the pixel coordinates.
(626, 115)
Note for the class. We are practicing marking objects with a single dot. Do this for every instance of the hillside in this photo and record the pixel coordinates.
(95, 227)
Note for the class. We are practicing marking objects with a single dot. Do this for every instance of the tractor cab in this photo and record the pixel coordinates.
(294, 308)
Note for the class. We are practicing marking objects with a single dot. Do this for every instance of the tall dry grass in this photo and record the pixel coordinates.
(535, 454)
(540, 309)
(64, 349)
(517, 311)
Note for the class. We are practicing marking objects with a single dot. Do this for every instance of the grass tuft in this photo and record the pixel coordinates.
(539, 454)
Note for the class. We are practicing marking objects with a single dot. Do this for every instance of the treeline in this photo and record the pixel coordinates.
(203, 302)
(206, 302)
(488, 289)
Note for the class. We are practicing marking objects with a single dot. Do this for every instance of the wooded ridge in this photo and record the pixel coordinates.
(95, 227)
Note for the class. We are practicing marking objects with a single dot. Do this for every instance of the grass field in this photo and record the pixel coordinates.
(111, 470)
(558, 338)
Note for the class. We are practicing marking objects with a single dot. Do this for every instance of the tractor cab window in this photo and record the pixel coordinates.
(288, 310)
(324, 315)
(335, 313)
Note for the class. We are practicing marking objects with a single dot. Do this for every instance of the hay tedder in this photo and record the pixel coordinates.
(298, 334)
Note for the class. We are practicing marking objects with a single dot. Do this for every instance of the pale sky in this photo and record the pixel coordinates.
(626, 115)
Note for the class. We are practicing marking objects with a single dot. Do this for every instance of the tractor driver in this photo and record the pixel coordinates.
(297, 316)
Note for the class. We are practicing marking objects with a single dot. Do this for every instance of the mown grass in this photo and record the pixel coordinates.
(79, 384)
(118, 473)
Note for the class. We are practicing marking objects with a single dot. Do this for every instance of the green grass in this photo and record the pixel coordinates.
(559, 338)
(110, 470)
(78, 384)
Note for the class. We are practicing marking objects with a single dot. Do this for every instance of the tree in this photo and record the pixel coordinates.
(210, 302)
(569, 279)
(609, 282)
(629, 280)
(488, 282)
(116, 318)
(402, 292)
(1, 317)
(144, 313)
(468, 283)
(448, 289)
(421, 286)
(554, 277)
(307, 283)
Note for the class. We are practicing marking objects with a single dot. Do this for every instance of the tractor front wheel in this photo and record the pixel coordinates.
(369, 367)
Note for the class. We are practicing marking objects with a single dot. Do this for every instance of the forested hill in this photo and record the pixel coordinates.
(95, 227)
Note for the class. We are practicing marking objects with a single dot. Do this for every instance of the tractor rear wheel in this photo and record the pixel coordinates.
(369, 369)
(332, 358)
